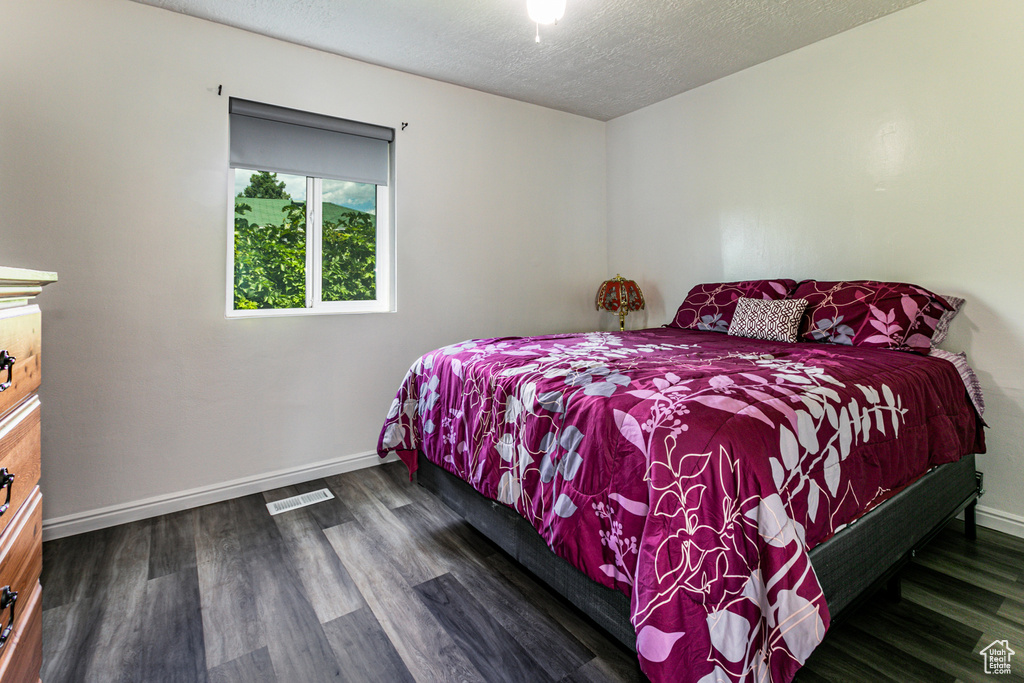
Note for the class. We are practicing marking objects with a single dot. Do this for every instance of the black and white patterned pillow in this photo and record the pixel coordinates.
(774, 320)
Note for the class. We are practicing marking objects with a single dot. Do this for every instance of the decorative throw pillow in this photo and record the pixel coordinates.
(865, 313)
(932, 324)
(710, 306)
(769, 320)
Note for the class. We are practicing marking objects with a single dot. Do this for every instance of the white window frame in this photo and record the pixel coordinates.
(385, 301)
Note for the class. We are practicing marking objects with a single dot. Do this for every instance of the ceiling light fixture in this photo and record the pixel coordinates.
(545, 12)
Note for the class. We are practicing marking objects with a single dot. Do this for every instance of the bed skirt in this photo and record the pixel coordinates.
(864, 555)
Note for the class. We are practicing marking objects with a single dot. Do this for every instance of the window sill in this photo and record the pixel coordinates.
(291, 312)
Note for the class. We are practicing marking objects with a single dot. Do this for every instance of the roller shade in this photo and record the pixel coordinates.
(269, 138)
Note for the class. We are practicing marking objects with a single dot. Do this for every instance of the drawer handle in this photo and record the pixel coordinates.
(6, 482)
(7, 363)
(7, 599)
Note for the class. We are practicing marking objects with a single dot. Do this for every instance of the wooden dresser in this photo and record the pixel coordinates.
(21, 504)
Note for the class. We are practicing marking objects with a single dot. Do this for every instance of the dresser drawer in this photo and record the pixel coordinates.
(19, 338)
(22, 656)
(19, 455)
(21, 548)
(21, 563)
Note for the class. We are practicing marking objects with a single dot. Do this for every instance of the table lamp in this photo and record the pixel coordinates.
(620, 296)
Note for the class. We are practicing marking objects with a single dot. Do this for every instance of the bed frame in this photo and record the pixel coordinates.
(850, 566)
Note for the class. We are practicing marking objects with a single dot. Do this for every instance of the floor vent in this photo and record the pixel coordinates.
(299, 501)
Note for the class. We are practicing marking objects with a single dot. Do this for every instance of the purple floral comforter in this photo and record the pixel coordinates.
(691, 470)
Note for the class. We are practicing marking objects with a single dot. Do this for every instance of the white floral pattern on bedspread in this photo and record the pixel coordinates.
(691, 470)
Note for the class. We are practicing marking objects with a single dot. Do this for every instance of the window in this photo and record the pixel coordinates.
(311, 229)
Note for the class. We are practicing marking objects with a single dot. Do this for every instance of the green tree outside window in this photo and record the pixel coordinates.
(270, 249)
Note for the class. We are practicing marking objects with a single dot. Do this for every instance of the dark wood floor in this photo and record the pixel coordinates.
(385, 583)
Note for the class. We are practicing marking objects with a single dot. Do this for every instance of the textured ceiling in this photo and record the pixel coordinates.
(604, 59)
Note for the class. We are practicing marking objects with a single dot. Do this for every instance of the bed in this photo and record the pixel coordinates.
(716, 499)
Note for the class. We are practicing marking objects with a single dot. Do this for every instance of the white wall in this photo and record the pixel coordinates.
(891, 151)
(113, 172)
(894, 151)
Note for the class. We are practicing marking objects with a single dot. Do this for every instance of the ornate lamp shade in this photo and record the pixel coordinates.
(621, 296)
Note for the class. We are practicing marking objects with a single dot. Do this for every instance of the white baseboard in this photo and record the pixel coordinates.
(1007, 522)
(81, 522)
(113, 515)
